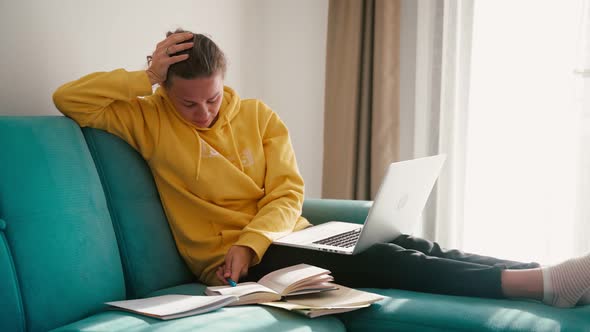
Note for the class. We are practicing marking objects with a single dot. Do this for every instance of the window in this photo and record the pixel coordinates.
(523, 130)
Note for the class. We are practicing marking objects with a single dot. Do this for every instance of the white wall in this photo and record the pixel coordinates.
(46, 43)
(287, 66)
(276, 51)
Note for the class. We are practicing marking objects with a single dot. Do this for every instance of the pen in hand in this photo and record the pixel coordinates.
(231, 282)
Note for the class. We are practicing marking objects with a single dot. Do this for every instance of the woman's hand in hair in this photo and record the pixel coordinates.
(161, 59)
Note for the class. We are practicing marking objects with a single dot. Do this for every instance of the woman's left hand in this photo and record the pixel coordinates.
(163, 56)
(237, 262)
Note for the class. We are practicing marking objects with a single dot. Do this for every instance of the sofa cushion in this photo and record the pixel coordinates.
(243, 318)
(58, 229)
(148, 251)
(11, 316)
(414, 311)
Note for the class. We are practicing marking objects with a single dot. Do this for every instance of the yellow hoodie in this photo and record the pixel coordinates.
(236, 183)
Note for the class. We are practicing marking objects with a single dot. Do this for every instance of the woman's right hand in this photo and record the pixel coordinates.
(161, 60)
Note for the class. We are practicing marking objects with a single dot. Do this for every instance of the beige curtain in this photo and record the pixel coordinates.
(361, 131)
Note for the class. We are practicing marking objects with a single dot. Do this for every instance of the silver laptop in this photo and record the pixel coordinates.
(397, 206)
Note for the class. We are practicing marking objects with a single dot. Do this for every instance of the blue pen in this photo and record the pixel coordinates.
(231, 282)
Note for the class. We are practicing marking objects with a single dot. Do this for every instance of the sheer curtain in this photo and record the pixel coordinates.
(502, 88)
(523, 165)
(440, 122)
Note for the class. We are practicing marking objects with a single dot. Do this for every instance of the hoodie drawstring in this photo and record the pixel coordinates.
(199, 154)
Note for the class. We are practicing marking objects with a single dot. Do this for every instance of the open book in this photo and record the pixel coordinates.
(174, 306)
(293, 280)
(305, 289)
(343, 299)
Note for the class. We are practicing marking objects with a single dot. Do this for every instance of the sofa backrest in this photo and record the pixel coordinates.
(150, 258)
(11, 316)
(58, 247)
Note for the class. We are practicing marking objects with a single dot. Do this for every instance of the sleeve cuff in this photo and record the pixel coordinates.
(256, 242)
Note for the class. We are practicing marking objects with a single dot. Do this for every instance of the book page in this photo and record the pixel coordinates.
(312, 312)
(312, 289)
(312, 281)
(240, 290)
(294, 306)
(280, 280)
(165, 305)
(342, 297)
(247, 292)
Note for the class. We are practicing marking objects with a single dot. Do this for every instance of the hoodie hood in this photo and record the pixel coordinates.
(228, 110)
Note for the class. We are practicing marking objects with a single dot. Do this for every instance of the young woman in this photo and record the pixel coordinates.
(229, 183)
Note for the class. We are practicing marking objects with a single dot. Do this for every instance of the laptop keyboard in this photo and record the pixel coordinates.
(343, 240)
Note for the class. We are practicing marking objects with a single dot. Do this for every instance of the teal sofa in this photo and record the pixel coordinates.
(81, 224)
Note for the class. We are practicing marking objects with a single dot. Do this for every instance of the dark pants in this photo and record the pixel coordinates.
(408, 263)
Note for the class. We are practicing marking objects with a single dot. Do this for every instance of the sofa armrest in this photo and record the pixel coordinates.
(318, 211)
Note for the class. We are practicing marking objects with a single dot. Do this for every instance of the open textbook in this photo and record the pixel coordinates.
(290, 281)
(174, 306)
(343, 299)
(303, 288)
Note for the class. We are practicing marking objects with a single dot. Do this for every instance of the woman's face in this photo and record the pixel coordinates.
(197, 100)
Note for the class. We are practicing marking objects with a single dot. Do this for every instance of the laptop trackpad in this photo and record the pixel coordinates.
(319, 232)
